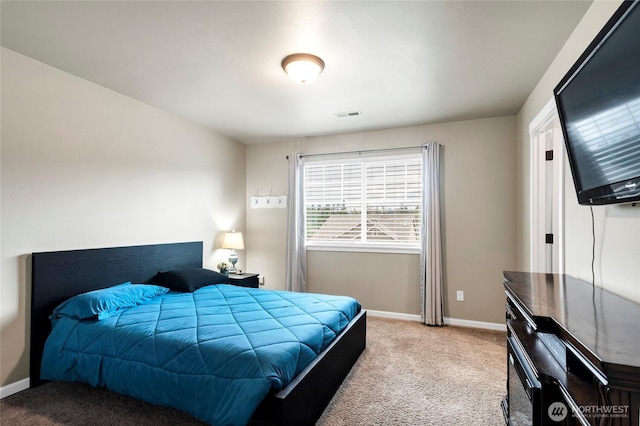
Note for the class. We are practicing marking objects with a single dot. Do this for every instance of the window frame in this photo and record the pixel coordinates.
(358, 246)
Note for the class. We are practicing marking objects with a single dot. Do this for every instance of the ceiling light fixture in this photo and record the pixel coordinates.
(303, 68)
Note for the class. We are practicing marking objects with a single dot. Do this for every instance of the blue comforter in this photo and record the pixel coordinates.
(214, 353)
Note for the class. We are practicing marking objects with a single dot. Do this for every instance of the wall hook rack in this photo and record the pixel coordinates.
(268, 201)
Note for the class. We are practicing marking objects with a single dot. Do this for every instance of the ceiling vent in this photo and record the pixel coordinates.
(348, 114)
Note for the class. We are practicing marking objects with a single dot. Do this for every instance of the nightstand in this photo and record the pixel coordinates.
(246, 279)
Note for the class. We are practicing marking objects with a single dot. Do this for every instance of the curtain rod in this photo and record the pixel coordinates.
(363, 151)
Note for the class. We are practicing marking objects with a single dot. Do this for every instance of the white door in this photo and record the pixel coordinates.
(547, 192)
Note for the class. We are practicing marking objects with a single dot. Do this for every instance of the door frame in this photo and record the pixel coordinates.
(540, 188)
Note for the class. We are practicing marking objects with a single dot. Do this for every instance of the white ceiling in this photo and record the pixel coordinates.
(218, 63)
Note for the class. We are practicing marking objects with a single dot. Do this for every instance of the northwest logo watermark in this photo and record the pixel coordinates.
(558, 411)
(606, 411)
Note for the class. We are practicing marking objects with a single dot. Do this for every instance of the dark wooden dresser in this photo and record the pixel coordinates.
(573, 353)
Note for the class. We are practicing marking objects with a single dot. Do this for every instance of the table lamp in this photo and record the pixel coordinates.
(233, 241)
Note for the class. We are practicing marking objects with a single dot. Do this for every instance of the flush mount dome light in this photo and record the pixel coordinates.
(302, 68)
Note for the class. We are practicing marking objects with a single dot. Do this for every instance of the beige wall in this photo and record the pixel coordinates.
(479, 220)
(617, 227)
(84, 167)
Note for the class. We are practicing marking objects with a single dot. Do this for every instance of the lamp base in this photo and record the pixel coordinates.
(233, 259)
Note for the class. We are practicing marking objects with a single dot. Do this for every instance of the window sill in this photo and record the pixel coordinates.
(364, 248)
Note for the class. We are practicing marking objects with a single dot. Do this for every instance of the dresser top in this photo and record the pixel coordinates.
(595, 321)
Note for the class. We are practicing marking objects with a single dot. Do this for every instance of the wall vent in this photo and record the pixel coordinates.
(348, 114)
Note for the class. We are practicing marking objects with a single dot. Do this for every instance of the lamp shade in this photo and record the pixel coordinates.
(233, 241)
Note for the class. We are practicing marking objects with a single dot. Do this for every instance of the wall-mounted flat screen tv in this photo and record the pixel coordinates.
(599, 107)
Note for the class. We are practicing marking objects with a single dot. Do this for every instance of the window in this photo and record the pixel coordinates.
(364, 204)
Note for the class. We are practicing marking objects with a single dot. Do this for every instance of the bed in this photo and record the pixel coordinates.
(57, 276)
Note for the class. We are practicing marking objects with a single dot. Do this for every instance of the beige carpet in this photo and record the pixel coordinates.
(410, 374)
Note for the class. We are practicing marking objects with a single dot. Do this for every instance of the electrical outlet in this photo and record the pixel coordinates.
(460, 296)
(260, 279)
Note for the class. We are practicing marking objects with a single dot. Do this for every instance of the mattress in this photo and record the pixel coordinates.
(214, 353)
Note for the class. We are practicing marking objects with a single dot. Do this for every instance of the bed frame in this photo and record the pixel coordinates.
(57, 276)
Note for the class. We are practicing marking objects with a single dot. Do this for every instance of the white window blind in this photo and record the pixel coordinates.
(364, 202)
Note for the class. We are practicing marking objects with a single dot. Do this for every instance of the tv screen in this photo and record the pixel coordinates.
(599, 107)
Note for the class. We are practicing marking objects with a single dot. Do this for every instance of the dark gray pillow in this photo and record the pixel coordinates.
(189, 279)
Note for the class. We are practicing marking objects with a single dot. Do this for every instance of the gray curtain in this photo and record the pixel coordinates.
(431, 243)
(296, 276)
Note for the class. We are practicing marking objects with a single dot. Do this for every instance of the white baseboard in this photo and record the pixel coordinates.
(14, 387)
(393, 315)
(447, 320)
(475, 324)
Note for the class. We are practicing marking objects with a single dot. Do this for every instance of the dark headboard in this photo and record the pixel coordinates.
(57, 276)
